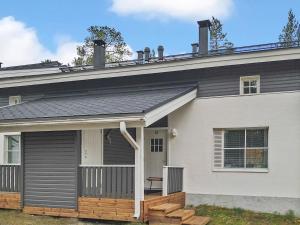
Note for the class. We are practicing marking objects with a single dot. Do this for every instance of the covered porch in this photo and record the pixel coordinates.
(72, 155)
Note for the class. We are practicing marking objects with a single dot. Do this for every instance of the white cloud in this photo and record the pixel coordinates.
(19, 44)
(189, 10)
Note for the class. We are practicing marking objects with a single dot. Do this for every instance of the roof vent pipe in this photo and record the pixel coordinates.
(147, 54)
(204, 26)
(160, 51)
(140, 56)
(195, 48)
(99, 54)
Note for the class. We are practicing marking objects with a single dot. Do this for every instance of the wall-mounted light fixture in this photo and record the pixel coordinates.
(174, 132)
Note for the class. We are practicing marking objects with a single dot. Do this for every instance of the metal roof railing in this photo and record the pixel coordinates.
(185, 56)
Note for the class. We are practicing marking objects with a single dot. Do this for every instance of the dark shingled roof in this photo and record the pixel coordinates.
(115, 103)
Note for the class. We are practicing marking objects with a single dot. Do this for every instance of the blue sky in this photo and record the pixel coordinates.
(247, 22)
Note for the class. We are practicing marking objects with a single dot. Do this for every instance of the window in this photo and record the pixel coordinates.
(241, 148)
(249, 85)
(12, 149)
(156, 145)
(14, 100)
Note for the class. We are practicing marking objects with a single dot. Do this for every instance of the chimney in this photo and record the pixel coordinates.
(140, 56)
(195, 48)
(99, 54)
(203, 36)
(1, 64)
(147, 54)
(160, 51)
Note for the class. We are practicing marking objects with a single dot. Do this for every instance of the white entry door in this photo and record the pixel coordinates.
(155, 155)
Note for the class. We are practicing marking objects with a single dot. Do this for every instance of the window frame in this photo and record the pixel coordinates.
(250, 78)
(6, 150)
(243, 169)
(157, 146)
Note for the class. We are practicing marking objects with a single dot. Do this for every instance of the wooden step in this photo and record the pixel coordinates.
(181, 214)
(166, 208)
(197, 220)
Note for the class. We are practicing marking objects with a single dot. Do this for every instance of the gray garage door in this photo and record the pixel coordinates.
(50, 169)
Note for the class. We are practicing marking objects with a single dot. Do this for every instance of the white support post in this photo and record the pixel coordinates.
(137, 191)
(138, 146)
(139, 170)
(165, 181)
(140, 140)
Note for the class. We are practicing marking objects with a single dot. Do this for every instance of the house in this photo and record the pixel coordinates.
(138, 140)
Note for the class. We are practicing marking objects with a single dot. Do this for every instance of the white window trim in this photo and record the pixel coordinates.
(12, 99)
(246, 78)
(156, 145)
(242, 170)
(5, 148)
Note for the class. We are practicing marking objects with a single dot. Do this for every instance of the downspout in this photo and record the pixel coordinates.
(127, 136)
(136, 147)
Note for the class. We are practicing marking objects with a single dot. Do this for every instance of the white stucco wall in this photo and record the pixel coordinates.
(193, 147)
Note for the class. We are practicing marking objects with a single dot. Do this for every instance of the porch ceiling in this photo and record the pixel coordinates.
(96, 109)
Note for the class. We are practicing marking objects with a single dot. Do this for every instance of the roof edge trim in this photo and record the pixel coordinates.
(71, 124)
(167, 108)
(180, 65)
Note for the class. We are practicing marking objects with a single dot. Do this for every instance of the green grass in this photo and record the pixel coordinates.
(238, 216)
(218, 215)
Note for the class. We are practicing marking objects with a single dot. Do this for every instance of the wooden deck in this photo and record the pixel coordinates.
(10, 200)
(174, 214)
(106, 209)
(152, 200)
(97, 208)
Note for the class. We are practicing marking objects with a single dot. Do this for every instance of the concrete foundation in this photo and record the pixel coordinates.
(256, 203)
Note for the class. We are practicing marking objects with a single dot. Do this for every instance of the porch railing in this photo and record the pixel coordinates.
(172, 179)
(107, 181)
(10, 178)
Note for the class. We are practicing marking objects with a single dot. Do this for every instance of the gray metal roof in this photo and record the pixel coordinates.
(20, 71)
(115, 103)
(41, 65)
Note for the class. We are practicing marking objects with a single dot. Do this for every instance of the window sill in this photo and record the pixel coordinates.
(242, 170)
(10, 164)
(251, 94)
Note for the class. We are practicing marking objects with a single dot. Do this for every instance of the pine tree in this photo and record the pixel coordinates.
(290, 32)
(218, 39)
(116, 48)
(46, 61)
